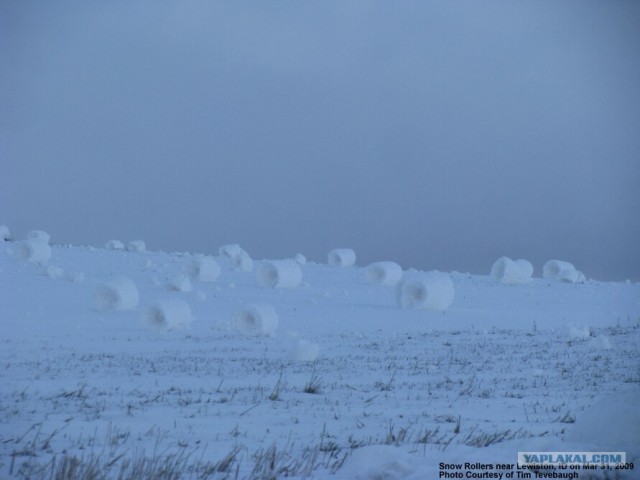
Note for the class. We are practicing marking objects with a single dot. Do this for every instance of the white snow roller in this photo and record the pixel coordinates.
(137, 246)
(256, 320)
(304, 351)
(39, 235)
(237, 256)
(169, 314)
(279, 273)
(561, 270)
(204, 269)
(114, 245)
(383, 273)
(427, 291)
(5, 234)
(572, 276)
(510, 272)
(341, 257)
(117, 294)
(34, 250)
(179, 283)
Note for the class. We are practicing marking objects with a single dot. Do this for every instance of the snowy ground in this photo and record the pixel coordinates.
(547, 366)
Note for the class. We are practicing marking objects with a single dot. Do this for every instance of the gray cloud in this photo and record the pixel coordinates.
(440, 135)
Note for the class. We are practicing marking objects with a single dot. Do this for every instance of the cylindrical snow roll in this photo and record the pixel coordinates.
(114, 245)
(526, 265)
(304, 351)
(429, 291)
(76, 277)
(169, 314)
(5, 234)
(179, 283)
(239, 258)
(553, 268)
(244, 263)
(34, 250)
(341, 257)
(383, 273)
(54, 272)
(571, 275)
(279, 273)
(256, 320)
(508, 272)
(117, 294)
(137, 246)
(204, 269)
(38, 235)
(300, 258)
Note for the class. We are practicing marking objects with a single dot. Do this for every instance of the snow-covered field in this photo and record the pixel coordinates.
(136, 363)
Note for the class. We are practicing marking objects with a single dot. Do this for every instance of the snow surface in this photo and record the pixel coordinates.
(564, 271)
(349, 385)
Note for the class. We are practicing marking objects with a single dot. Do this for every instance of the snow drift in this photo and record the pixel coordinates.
(279, 273)
(383, 273)
(428, 291)
(239, 258)
(117, 294)
(509, 272)
(256, 320)
(341, 257)
(204, 269)
(34, 250)
(168, 314)
(561, 270)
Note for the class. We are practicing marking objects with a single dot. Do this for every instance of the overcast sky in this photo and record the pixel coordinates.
(441, 135)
